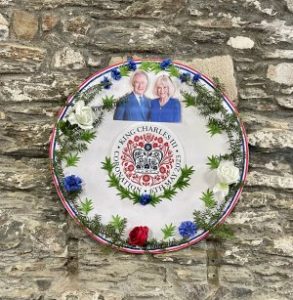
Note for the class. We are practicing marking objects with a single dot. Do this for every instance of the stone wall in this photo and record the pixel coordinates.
(47, 47)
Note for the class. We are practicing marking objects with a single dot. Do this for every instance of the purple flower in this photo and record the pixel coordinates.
(165, 63)
(106, 83)
(196, 78)
(115, 73)
(184, 77)
(131, 64)
(72, 183)
(145, 199)
(187, 229)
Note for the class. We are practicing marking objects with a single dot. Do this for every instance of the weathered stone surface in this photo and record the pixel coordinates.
(280, 53)
(281, 73)
(286, 102)
(24, 24)
(253, 93)
(276, 139)
(142, 37)
(67, 58)
(77, 25)
(279, 182)
(49, 21)
(212, 23)
(278, 31)
(4, 30)
(241, 42)
(290, 5)
(218, 66)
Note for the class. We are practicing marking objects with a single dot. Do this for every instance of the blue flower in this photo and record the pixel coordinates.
(115, 73)
(196, 78)
(187, 229)
(131, 64)
(106, 83)
(72, 183)
(165, 63)
(184, 77)
(145, 199)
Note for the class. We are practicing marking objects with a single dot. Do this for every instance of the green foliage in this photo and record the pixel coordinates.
(189, 99)
(214, 162)
(214, 127)
(208, 199)
(168, 231)
(108, 102)
(118, 223)
(87, 136)
(124, 70)
(146, 66)
(86, 206)
(107, 164)
(184, 178)
(173, 71)
(72, 160)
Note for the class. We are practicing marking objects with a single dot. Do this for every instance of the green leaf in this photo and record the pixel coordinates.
(86, 206)
(173, 71)
(168, 231)
(107, 165)
(214, 162)
(208, 199)
(189, 99)
(145, 66)
(72, 160)
(118, 223)
(87, 136)
(214, 127)
(169, 193)
(124, 70)
(108, 102)
(155, 67)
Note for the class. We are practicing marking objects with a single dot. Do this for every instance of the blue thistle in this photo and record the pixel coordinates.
(72, 183)
(187, 229)
(131, 64)
(115, 73)
(196, 78)
(165, 63)
(184, 77)
(106, 83)
(145, 199)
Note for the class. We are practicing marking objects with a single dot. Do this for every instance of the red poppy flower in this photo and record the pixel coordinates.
(138, 236)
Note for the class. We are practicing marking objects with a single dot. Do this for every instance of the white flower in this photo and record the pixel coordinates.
(220, 191)
(83, 116)
(227, 172)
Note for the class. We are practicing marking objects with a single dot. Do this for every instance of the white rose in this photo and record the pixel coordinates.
(227, 172)
(220, 191)
(83, 116)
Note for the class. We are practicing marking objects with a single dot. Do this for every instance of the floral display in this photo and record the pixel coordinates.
(82, 116)
(138, 236)
(227, 172)
(72, 183)
(187, 229)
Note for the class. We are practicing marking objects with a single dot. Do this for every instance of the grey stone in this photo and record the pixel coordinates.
(69, 59)
(24, 24)
(271, 138)
(4, 29)
(240, 42)
(286, 102)
(281, 73)
(290, 5)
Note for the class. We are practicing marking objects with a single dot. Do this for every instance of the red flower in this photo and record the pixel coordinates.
(138, 236)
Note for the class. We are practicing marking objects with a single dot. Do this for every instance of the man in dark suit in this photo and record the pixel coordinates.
(136, 106)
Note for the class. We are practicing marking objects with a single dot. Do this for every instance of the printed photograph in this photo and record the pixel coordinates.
(162, 106)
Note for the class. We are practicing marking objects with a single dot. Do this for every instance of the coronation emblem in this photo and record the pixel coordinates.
(147, 158)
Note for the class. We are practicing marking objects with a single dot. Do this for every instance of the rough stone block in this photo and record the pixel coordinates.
(68, 59)
(4, 29)
(221, 67)
(24, 24)
(281, 73)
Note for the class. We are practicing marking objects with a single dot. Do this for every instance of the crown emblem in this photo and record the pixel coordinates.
(147, 160)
